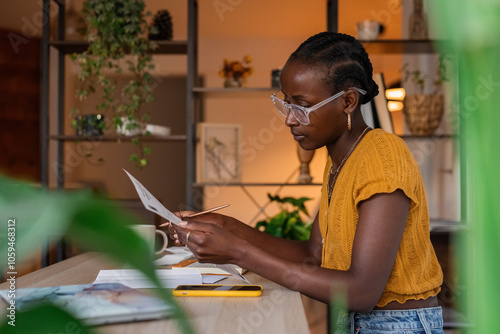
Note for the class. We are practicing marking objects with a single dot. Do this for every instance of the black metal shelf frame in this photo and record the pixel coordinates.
(164, 47)
(63, 48)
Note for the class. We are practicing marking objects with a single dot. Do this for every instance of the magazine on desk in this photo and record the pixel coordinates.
(94, 304)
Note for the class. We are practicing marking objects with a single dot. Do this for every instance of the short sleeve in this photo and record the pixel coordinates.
(387, 165)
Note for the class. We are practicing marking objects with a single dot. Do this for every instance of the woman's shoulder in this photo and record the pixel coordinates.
(384, 164)
(385, 150)
(380, 136)
(384, 143)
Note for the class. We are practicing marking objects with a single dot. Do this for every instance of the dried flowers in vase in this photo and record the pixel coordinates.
(235, 72)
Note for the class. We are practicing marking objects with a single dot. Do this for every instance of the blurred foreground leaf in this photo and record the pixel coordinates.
(28, 322)
(92, 224)
(472, 29)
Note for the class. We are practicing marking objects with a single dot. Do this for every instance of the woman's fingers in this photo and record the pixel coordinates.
(172, 233)
(192, 225)
(208, 242)
(195, 235)
(184, 214)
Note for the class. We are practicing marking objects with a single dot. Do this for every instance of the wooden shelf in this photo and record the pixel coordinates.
(393, 46)
(253, 184)
(438, 136)
(111, 138)
(164, 47)
(243, 91)
(445, 226)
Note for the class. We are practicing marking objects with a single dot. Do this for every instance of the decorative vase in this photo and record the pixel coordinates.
(423, 113)
(418, 22)
(232, 82)
(305, 157)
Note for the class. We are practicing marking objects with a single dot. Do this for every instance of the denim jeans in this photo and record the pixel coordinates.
(417, 321)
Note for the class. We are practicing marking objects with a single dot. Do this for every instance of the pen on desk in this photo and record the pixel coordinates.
(202, 212)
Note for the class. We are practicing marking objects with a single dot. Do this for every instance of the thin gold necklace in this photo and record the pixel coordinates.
(334, 173)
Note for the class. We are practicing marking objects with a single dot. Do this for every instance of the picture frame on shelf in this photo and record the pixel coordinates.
(367, 112)
(218, 153)
(382, 113)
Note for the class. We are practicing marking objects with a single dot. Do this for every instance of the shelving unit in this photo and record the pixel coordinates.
(115, 138)
(198, 93)
(164, 47)
(63, 48)
(232, 91)
(392, 46)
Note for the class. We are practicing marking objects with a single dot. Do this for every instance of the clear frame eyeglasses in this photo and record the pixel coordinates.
(302, 113)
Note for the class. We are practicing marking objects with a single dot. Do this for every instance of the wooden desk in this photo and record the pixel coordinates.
(278, 310)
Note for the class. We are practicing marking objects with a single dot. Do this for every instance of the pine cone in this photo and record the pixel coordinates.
(162, 21)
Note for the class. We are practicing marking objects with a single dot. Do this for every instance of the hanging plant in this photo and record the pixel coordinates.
(118, 44)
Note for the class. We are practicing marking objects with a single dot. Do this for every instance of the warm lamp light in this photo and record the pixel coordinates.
(395, 106)
(395, 94)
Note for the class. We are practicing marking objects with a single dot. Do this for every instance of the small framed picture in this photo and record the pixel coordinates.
(218, 153)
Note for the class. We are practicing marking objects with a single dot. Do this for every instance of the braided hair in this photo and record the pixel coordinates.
(344, 58)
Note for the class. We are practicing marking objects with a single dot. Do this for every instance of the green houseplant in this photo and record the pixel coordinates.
(288, 222)
(118, 44)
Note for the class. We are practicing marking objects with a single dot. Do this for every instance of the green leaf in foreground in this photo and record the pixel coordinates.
(28, 322)
(92, 224)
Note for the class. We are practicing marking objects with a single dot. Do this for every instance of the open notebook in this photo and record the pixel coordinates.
(95, 304)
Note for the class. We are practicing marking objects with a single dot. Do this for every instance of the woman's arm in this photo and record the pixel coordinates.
(378, 235)
(282, 248)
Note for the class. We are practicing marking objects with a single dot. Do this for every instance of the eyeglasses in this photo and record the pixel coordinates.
(302, 113)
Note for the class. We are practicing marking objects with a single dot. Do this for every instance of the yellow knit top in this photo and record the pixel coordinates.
(381, 163)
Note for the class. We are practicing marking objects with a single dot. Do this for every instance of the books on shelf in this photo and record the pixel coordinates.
(94, 304)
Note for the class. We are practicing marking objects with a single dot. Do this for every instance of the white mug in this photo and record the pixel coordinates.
(147, 232)
(368, 30)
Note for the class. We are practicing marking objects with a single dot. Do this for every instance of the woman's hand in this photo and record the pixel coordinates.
(171, 231)
(222, 221)
(210, 242)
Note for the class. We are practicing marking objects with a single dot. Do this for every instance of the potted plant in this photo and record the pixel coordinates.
(117, 35)
(288, 222)
(423, 112)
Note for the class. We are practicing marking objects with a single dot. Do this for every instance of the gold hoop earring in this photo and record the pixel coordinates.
(349, 122)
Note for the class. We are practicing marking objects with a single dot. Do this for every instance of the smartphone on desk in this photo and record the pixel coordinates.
(217, 290)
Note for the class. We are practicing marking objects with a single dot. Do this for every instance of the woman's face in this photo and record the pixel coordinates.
(305, 85)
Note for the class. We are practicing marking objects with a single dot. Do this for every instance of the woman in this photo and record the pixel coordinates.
(371, 235)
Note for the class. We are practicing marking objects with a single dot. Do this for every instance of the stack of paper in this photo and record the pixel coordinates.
(135, 279)
(174, 255)
(207, 268)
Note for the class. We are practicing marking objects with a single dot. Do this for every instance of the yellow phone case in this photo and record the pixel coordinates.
(217, 293)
